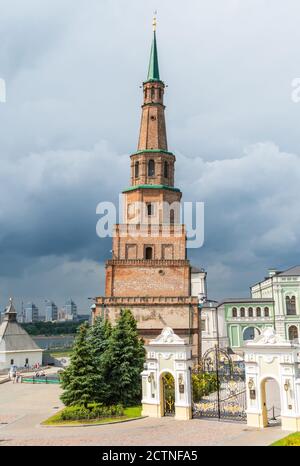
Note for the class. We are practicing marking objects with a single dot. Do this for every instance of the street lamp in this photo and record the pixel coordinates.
(250, 384)
(286, 385)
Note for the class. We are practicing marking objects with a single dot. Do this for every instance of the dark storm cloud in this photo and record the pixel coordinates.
(73, 71)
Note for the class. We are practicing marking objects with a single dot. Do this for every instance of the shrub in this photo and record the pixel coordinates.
(203, 384)
(93, 411)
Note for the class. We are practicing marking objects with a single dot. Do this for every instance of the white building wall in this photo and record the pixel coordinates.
(19, 358)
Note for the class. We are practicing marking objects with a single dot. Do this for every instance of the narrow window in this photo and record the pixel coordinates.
(166, 170)
(12, 362)
(203, 325)
(258, 312)
(290, 305)
(266, 312)
(151, 168)
(242, 312)
(234, 312)
(137, 169)
(250, 312)
(149, 209)
(149, 253)
(172, 217)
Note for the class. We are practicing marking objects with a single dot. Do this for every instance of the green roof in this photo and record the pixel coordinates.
(153, 71)
(151, 186)
(142, 151)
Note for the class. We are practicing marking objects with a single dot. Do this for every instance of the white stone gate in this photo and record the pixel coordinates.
(269, 357)
(167, 354)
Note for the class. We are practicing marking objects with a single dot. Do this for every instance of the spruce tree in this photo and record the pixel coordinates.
(125, 359)
(99, 335)
(79, 379)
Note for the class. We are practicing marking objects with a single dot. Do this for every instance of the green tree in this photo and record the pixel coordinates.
(79, 379)
(125, 357)
(99, 335)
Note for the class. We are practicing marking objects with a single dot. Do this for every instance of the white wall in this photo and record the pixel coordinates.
(198, 285)
(20, 358)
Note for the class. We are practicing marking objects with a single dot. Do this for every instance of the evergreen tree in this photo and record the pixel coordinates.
(125, 357)
(79, 379)
(99, 335)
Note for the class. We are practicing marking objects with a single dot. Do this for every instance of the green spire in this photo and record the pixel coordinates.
(153, 71)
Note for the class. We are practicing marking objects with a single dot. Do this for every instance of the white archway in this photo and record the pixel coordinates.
(270, 400)
(271, 357)
(168, 353)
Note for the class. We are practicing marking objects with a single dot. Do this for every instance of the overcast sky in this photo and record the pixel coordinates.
(73, 71)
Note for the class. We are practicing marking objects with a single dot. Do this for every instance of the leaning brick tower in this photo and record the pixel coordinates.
(149, 272)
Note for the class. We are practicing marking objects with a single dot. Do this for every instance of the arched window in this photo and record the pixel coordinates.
(159, 93)
(151, 168)
(234, 312)
(293, 332)
(152, 93)
(149, 253)
(266, 312)
(172, 217)
(250, 333)
(166, 170)
(258, 312)
(242, 312)
(137, 169)
(250, 312)
(290, 305)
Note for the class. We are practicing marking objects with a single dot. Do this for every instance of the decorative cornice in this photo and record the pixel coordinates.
(151, 186)
(153, 151)
(149, 263)
(146, 300)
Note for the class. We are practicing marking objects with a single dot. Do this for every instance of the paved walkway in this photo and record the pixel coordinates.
(24, 406)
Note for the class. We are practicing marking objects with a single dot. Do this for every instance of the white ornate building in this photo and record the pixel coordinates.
(284, 289)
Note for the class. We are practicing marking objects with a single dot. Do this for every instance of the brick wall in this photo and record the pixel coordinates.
(125, 279)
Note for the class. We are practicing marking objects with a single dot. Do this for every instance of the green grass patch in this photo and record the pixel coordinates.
(129, 413)
(292, 440)
(65, 353)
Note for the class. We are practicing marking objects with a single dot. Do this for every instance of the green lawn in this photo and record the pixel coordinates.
(61, 353)
(292, 440)
(129, 413)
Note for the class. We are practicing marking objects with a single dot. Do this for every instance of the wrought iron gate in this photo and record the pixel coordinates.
(168, 394)
(219, 389)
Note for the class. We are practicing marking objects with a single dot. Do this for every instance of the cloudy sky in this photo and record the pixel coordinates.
(73, 70)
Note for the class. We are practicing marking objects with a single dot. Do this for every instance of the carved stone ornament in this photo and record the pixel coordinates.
(268, 337)
(166, 355)
(167, 336)
(269, 359)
